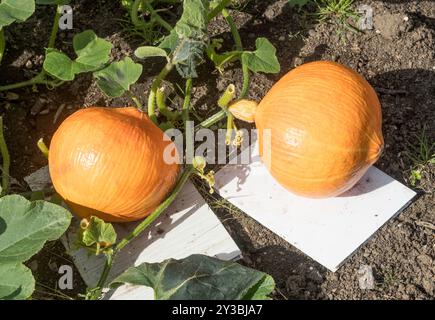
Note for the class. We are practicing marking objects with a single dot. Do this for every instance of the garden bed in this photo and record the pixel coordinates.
(398, 59)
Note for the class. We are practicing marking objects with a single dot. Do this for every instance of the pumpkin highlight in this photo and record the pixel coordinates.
(108, 162)
(323, 123)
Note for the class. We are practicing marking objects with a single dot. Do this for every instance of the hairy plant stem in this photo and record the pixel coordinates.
(207, 123)
(2, 44)
(55, 27)
(161, 104)
(134, 16)
(186, 102)
(141, 227)
(154, 87)
(246, 81)
(6, 161)
(230, 127)
(239, 47)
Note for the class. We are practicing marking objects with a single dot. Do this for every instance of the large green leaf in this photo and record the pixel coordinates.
(199, 277)
(25, 226)
(115, 79)
(92, 54)
(16, 281)
(188, 40)
(15, 10)
(263, 59)
(187, 56)
(193, 21)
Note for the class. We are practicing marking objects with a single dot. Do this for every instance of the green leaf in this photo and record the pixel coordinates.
(16, 281)
(115, 79)
(92, 54)
(199, 277)
(25, 226)
(187, 56)
(300, 3)
(263, 59)
(193, 21)
(15, 10)
(169, 43)
(58, 2)
(150, 51)
(59, 65)
(97, 236)
(188, 40)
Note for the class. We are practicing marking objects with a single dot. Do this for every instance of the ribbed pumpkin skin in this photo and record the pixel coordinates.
(109, 163)
(325, 121)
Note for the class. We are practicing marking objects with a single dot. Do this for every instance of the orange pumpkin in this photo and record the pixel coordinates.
(109, 163)
(324, 121)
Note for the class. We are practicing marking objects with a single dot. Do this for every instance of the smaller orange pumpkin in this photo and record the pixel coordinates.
(108, 162)
(319, 128)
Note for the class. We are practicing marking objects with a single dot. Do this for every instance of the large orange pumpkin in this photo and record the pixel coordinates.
(325, 129)
(109, 163)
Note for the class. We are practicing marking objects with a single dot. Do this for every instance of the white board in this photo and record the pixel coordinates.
(187, 227)
(327, 230)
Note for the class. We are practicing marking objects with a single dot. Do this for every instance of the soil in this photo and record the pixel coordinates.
(398, 59)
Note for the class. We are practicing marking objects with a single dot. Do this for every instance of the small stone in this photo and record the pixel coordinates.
(424, 259)
(282, 38)
(37, 107)
(33, 265)
(44, 112)
(312, 33)
(366, 279)
(29, 64)
(298, 61)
